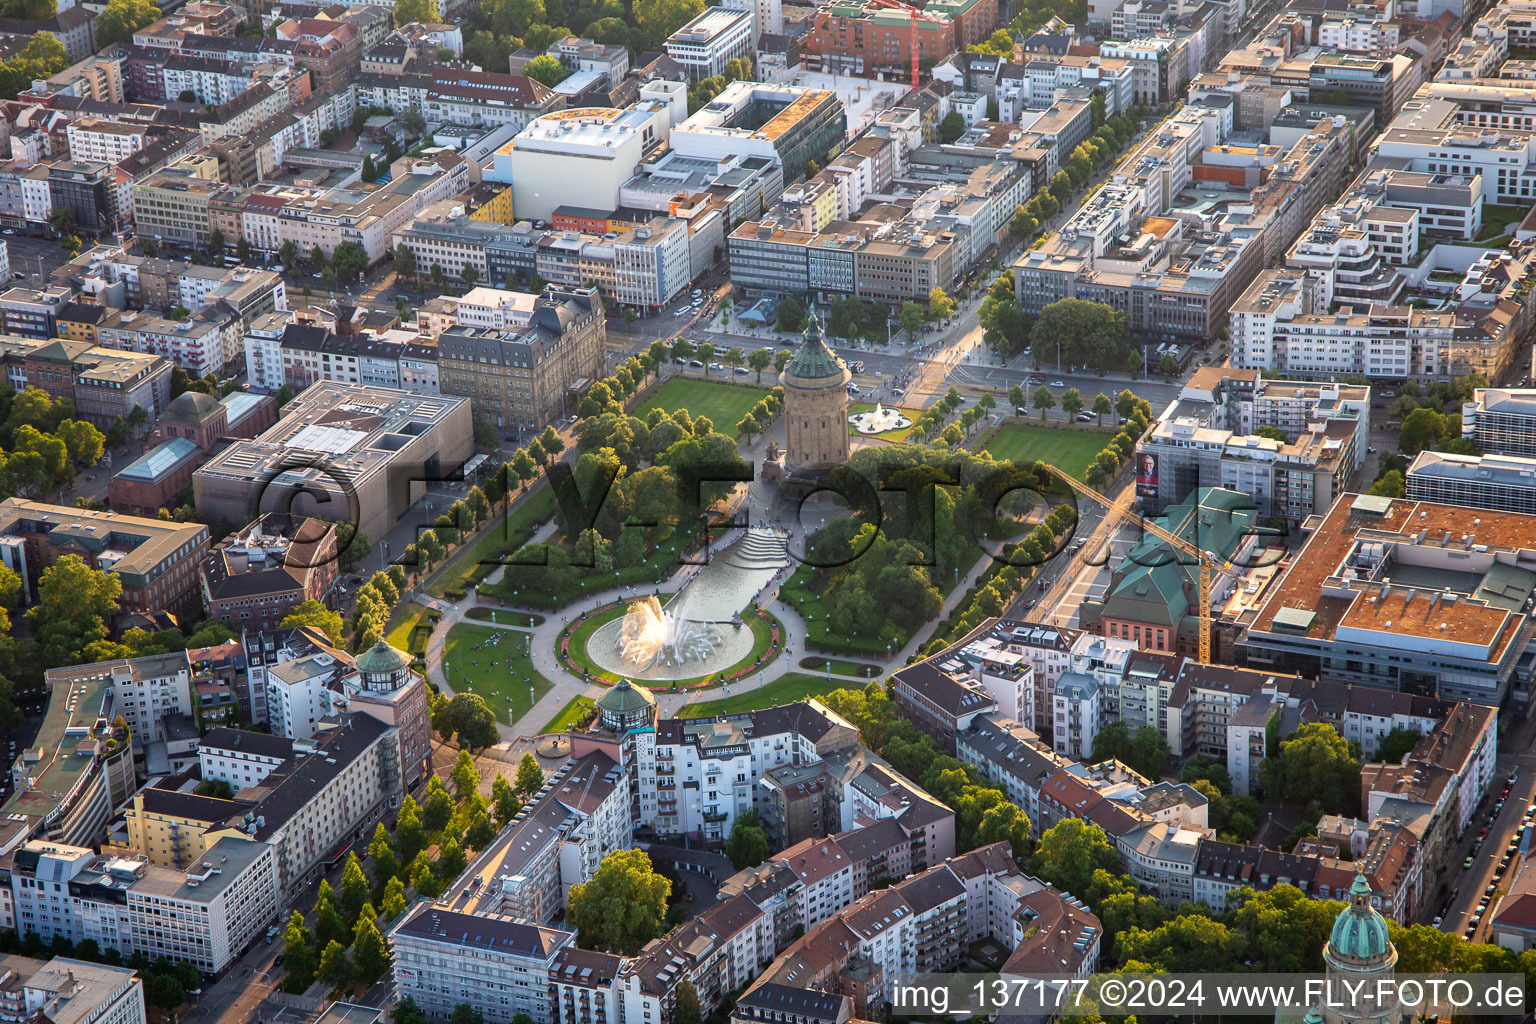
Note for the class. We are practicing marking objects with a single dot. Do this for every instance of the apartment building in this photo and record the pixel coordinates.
(468, 97)
(104, 383)
(524, 379)
(76, 991)
(558, 840)
(498, 965)
(861, 39)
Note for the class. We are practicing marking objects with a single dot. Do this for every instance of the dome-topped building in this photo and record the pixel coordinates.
(815, 404)
(626, 706)
(1358, 953)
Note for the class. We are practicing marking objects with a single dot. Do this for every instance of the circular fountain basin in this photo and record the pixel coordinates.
(879, 420)
(603, 649)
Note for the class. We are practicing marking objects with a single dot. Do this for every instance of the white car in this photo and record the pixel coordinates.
(716, 366)
(1058, 383)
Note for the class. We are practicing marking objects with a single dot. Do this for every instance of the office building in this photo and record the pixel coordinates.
(155, 560)
(788, 123)
(1501, 421)
(712, 40)
(524, 379)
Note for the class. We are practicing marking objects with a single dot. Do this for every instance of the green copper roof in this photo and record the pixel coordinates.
(813, 360)
(624, 697)
(381, 660)
(1360, 931)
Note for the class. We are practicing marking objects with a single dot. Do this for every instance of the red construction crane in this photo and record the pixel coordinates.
(914, 14)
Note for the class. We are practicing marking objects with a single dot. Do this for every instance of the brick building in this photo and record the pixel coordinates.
(858, 37)
(155, 479)
(257, 575)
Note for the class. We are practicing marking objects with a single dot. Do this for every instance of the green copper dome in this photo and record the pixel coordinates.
(381, 660)
(1360, 932)
(813, 360)
(623, 697)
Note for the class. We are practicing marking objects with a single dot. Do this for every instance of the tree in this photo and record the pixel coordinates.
(465, 715)
(381, 855)
(1102, 406)
(216, 788)
(62, 218)
(405, 261)
(1168, 365)
(911, 317)
(940, 305)
(504, 802)
(759, 360)
(393, 904)
(466, 776)
(423, 11)
(288, 254)
(122, 18)
(354, 886)
(316, 616)
(547, 69)
(369, 953)
(687, 1010)
(1072, 401)
(622, 907)
(1004, 822)
(75, 604)
(747, 845)
(1071, 851)
(410, 833)
(1390, 484)
(437, 810)
(465, 1014)
(350, 260)
(1422, 428)
(1084, 333)
(530, 777)
(1395, 745)
(317, 254)
(298, 952)
(791, 315)
(335, 969)
(952, 127)
(1043, 400)
(1314, 764)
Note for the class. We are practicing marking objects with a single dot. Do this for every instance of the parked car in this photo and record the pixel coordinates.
(1058, 383)
(1085, 417)
(1467, 864)
(696, 362)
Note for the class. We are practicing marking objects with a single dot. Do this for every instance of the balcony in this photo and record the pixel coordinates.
(714, 816)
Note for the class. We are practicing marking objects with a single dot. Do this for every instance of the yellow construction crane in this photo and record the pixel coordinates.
(1207, 561)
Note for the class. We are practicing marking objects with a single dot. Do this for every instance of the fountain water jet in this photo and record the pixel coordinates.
(651, 635)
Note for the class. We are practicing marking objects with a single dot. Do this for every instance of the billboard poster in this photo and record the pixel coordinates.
(1146, 475)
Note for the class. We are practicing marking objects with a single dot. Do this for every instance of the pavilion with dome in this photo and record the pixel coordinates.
(626, 706)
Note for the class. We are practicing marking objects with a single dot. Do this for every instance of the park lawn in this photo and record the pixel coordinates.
(504, 674)
(900, 434)
(569, 715)
(1069, 448)
(500, 540)
(724, 404)
(787, 688)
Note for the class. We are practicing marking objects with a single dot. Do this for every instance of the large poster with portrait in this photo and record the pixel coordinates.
(1146, 475)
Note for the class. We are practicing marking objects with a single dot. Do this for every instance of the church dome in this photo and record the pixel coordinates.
(1360, 932)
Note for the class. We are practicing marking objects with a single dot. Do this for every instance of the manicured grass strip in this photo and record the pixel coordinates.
(1070, 448)
(479, 560)
(566, 720)
(724, 404)
(784, 690)
(503, 674)
(841, 667)
(504, 617)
